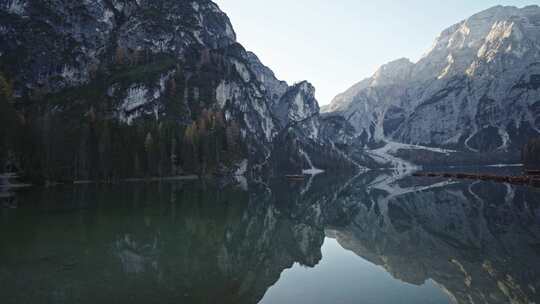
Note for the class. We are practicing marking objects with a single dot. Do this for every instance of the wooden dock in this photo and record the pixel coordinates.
(531, 180)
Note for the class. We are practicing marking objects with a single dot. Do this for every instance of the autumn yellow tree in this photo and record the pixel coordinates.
(190, 148)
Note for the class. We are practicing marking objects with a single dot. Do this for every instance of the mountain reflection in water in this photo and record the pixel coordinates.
(415, 240)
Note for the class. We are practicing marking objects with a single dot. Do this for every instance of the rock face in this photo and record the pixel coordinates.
(275, 87)
(131, 61)
(476, 90)
(306, 131)
(297, 105)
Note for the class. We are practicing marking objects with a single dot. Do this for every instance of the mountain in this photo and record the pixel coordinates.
(120, 88)
(476, 90)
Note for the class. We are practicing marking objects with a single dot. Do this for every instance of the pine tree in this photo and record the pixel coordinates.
(136, 57)
(7, 120)
(150, 153)
(174, 158)
(219, 136)
(531, 154)
(105, 143)
(120, 55)
(233, 140)
(191, 148)
(203, 138)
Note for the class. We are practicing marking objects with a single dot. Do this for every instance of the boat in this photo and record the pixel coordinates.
(295, 176)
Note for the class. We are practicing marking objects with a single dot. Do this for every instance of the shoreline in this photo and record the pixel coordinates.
(8, 186)
(136, 179)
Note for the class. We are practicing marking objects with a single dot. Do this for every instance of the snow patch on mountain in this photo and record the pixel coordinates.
(384, 156)
(136, 97)
(17, 7)
(312, 170)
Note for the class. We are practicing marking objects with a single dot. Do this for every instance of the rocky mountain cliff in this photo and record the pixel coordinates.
(476, 90)
(109, 88)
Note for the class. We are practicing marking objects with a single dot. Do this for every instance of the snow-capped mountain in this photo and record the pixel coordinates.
(476, 90)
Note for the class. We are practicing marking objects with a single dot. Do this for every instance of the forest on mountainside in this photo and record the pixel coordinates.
(531, 154)
(88, 143)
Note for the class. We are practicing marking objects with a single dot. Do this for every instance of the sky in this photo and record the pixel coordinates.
(335, 43)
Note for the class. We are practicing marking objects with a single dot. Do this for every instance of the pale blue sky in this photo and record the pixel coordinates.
(336, 43)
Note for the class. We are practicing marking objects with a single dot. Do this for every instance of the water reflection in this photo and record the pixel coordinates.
(205, 243)
(479, 241)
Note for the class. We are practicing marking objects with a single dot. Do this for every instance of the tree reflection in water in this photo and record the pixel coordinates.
(204, 243)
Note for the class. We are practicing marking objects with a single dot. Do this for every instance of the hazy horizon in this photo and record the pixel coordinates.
(335, 45)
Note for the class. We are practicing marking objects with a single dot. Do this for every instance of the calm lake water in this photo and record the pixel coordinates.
(372, 238)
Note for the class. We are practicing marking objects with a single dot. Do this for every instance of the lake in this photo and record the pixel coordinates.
(377, 237)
